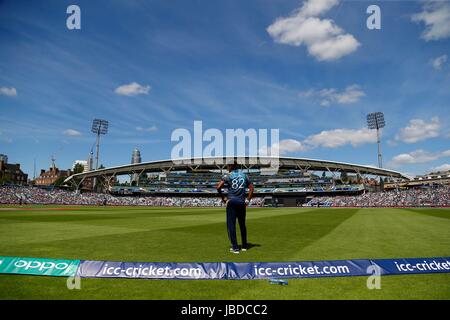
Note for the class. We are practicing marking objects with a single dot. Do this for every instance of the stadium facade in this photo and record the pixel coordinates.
(294, 182)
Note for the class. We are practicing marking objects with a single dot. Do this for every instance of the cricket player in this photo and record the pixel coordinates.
(236, 202)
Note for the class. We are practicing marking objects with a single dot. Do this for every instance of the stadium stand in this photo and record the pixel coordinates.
(34, 195)
(437, 196)
(430, 196)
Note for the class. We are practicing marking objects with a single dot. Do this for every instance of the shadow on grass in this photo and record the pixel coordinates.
(251, 245)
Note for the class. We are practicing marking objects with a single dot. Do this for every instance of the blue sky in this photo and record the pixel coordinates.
(150, 67)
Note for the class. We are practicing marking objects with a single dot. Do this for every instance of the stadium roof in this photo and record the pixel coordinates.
(218, 163)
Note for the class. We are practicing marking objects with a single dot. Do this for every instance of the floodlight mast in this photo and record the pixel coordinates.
(376, 121)
(99, 127)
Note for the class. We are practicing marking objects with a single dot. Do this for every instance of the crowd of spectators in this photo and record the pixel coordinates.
(436, 196)
(34, 195)
(430, 196)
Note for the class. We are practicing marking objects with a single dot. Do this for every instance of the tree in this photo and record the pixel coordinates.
(79, 168)
(5, 180)
(59, 181)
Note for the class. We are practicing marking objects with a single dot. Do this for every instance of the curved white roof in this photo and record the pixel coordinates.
(192, 164)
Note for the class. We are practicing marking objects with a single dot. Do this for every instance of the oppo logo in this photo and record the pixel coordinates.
(40, 265)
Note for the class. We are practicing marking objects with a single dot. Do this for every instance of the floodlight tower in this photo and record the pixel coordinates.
(375, 120)
(99, 127)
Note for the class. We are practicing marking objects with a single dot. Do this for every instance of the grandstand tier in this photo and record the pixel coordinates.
(289, 183)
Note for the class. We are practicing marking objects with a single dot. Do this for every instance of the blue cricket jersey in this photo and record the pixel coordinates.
(236, 182)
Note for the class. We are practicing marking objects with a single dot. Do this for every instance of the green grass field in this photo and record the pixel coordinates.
(199, 235)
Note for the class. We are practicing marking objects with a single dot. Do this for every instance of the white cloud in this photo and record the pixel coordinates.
(290, 145)
(339, 137)
(436, 17)
(327, 139)
(307, 93)
(132, 89)
(283, 147)
(72, 133)
(149, 129)
(443, 167)
(322, 37)
(11, 92)
(418, 156)
(351, 94)
(317, 7)
(419, 130)
(438, 62)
